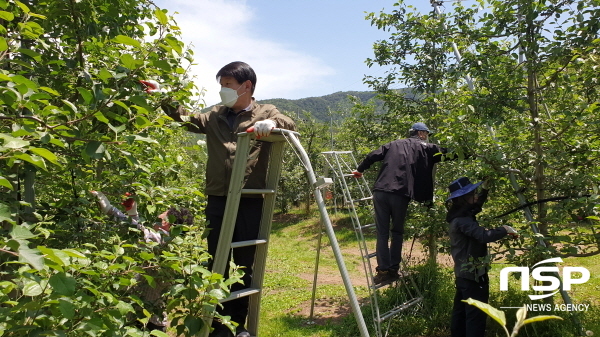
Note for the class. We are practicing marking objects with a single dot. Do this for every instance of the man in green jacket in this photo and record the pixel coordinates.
(238, 112)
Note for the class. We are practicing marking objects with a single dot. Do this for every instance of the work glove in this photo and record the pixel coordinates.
(104, 204)
(152, 86)
(130, 206)
(263, 128)
(357, 174)
(511, 231)
(150, 235)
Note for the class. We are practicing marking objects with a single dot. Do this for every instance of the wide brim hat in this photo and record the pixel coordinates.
(420, 126)
(461, 186)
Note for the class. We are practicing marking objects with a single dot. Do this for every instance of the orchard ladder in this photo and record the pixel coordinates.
(356, 194)
(278, 138)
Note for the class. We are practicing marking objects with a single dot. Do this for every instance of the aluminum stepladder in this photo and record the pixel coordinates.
(356, 193)
(278, 138)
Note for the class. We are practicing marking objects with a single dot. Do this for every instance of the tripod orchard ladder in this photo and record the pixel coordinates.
(278, 138)
(356, 194)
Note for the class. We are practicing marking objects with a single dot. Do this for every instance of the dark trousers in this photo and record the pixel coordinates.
(247, 226)
(389, 206)
(468, 320)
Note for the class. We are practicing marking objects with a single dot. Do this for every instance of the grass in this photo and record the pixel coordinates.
(286, 303)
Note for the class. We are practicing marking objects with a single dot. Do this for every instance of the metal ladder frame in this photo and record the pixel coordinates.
(278, 137)
(341, 168)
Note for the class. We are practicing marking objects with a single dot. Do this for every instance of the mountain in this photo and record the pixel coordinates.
(320, 106)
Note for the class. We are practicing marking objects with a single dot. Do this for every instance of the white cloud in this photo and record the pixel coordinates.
(221, 31)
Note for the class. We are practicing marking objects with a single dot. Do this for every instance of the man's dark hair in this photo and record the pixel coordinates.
(179, 216)
(241, 71)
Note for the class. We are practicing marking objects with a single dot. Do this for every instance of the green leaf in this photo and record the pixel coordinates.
(540, 318)
(85, 94)
(104, 75)
(22, 6)
(3, 44)
(124, 307)
(12, 142)
(59, 257)
(24, 80)
(95, 149)
(7, 286)
(5, 214)
(6, 183)
(31, 288)
(99, 116)
(142, 122)
(50, 90)
(35, 160)
(34, 55)
(117, 129)
(128, 61)
(70, 106)
(122, 105)
(8, 16)
(31, 256)
(160, 16)
(46, 154)
(20, 232)
(126, 40)
(194, 324)
(66, 308)
(145, 139)
(146, 256)
(497, 315)
(63, 284)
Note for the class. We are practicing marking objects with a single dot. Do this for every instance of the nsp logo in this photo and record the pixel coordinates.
(537, 274)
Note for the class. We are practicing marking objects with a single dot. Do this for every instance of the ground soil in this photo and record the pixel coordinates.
(328, 309)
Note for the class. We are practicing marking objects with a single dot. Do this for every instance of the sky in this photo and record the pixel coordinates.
(298, 49)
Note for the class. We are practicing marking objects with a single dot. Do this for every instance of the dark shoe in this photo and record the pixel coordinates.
(384, 277)
(151, 327)
(241, 332)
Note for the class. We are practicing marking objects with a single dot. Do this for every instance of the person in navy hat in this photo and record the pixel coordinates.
(406, 174)
(468, 244)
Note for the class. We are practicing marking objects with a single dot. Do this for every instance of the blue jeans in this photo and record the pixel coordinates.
(389, 207)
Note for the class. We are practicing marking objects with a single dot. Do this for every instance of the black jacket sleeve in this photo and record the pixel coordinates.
(373, 157)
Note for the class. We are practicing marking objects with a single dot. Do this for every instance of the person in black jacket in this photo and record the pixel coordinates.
(406, 174)
(468, 244)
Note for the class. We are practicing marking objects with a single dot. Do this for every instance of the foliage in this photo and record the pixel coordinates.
(516, 93)
(74, 118)
(500, 317)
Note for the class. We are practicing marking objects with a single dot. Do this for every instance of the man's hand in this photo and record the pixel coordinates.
(264, 128)
(103, 203)
(511, 231)
(357, 174)
(152, 86)
(130, 206)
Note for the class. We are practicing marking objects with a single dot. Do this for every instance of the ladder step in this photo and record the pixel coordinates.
(371, 225)
(241, 293)
(370, 256)
(257, 191)
(362, 199)
(247, 243)
(400, 308)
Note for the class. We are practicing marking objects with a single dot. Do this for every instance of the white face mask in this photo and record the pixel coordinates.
(229, 96)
